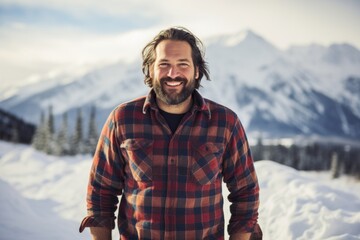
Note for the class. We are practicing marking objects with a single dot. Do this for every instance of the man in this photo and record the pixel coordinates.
(167, 155)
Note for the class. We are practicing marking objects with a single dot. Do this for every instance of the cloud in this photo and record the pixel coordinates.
(78, 7)
(279, 21)
(42, 36)
(91, 17)
(33, 53)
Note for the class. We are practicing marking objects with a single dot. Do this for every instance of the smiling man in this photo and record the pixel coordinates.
(167, 154)
(174, 76)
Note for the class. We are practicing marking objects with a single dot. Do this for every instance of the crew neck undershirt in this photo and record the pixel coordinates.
(172, 119)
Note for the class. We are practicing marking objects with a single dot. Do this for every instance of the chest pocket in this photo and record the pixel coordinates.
(207, 162)
(139, 153)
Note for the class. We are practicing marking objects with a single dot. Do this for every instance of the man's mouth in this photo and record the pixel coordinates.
(173, 83)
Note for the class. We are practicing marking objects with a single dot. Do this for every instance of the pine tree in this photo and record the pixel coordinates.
(258, 150)
(49, 132)
(77, 146)
(15, 133)
(335, 166)
(39, 141)
(92, 133)
(51, 122)
(294, 156)
(63, 147)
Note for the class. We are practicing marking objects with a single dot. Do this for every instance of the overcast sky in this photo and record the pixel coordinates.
(40, 38)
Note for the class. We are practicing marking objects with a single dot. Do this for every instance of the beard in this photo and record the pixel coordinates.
(173, 97)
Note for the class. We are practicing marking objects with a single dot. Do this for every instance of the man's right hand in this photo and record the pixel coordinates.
(100, 233)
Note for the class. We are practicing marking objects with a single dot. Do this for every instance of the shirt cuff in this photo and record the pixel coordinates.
(257, 233)
(91, 221)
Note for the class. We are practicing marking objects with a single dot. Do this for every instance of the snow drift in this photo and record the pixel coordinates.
(43, 197)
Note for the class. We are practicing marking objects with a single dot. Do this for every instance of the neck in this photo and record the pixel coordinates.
(176, 109)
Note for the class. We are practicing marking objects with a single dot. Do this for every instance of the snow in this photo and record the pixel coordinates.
(300, 205)
(43, 197)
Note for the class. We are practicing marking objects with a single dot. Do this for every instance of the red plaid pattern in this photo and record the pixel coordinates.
(171, 184)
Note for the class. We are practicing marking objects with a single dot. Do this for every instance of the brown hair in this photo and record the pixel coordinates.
(179, 34)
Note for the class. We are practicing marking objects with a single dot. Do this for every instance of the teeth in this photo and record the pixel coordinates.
(173, 83)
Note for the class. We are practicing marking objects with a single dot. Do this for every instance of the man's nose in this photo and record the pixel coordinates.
(173, 72)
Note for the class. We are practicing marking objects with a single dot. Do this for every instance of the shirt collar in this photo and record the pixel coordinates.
(199, 103)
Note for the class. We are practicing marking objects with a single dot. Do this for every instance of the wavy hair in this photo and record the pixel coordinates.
(179, 34)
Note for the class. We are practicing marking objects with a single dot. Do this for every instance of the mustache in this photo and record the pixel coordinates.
(169, 79)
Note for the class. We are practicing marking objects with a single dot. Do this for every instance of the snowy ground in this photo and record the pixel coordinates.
(43, 197)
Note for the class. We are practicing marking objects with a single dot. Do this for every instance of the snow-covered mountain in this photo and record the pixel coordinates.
(305, 90)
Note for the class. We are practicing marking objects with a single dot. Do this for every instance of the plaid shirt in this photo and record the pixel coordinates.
(171, 184)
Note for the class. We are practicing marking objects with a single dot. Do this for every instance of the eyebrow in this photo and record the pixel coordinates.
(179, 60)
(184, 60)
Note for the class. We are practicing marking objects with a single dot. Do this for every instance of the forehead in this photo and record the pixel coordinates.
(169, 49)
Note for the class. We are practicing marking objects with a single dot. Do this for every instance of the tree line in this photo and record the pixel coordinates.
(65, 142)
(317, 156)
(14, 129)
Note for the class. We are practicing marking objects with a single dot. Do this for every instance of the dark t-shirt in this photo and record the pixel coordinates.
(172, 119)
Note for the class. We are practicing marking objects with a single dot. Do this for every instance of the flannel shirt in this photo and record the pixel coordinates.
(171, 184)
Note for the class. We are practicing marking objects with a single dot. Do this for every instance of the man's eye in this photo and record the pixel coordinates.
(183, 65)
(163, 65)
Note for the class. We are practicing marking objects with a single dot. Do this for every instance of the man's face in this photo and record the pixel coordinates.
(173, 72)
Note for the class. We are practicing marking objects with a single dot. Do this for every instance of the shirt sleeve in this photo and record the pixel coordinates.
(241, 180)
(106, 179)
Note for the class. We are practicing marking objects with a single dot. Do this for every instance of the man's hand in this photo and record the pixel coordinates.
(100, 233)
(240, 236)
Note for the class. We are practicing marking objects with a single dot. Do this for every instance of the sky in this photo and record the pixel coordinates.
(49, 38)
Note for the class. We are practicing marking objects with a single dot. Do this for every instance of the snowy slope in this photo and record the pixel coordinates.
(43, 197)
(23, 218)
(299, 91)
(40, 195)
(300, 205)
(306, 90)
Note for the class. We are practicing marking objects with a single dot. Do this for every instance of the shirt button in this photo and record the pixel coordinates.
(172, 161)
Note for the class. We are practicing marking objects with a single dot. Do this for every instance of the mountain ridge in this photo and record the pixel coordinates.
(305, 90)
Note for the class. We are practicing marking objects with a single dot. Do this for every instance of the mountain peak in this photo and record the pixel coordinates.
(342, 53)
(267, 87)
(239, 38)
(335, 54)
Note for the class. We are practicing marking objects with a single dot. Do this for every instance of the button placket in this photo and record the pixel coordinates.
(171, 189)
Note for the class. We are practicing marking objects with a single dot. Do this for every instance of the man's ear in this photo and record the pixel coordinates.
(197, 73)
(151, 70)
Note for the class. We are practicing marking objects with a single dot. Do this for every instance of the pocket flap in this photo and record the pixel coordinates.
(208, 148)
(134, 144)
